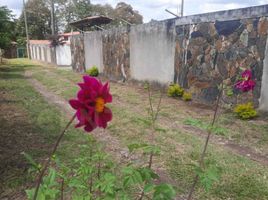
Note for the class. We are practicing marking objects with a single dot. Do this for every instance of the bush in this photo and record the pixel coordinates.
(175, 90)
(245, 111)
(93, 71)
(187, 96)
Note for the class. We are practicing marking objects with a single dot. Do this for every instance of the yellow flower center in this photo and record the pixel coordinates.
(99, 106)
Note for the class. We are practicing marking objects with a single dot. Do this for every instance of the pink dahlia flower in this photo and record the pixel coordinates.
(91, 111)
(246, 83)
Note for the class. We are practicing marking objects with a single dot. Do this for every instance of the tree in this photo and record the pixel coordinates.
(68, 11)
(6, 27)
(39, 19)
(126, 12)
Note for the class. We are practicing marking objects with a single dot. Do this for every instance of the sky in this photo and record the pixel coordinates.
(155, 9)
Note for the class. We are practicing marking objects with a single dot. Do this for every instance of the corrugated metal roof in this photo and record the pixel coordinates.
(91, 21)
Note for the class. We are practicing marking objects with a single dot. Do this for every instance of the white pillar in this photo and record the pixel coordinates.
(264, 85)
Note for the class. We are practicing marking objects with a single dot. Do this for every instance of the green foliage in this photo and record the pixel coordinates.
(187, 96)
(93, 71)
(208, 176)
(145, 148)
(49, 189)
(39, 20)
(35, 166)
(204, 126)
(164, 192)
(95, 176)
(245, 111)
(175, 90)
(6, 27)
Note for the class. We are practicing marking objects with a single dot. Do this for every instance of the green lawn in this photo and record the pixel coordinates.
(241, 178)
(32, 125)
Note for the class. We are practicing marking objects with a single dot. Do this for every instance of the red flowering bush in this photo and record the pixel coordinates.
(91, 111)
(246, 83)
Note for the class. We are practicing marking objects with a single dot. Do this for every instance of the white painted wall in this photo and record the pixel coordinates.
(34, 51)
(37, 52)
(152, 51)
(43, 53)
(48, 54)
(32, 54)
(264, 85)
(93, 50)
(63, 55)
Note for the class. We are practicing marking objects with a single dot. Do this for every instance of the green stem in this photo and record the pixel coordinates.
(202, 158)
(42, 173)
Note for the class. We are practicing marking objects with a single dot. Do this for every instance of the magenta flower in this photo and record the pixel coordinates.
(91, 111)
(246, 83)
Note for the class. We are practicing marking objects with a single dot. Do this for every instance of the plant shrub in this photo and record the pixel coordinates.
(187, 96)
(175, 90)
(93, 71)
(245, 111)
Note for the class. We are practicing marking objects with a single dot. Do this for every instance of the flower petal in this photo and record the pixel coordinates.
(92, 82)
(75, 103)
(105, 93)
(90, 126)
(101, 119)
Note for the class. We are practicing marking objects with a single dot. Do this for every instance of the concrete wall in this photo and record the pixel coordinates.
(63, 55)
(42, 48)
(264, 84)
(43, 52)
(93, 50)
(152, 50)
(48, 52)
(198, 52)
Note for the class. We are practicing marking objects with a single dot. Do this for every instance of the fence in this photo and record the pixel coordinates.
(195, 51)
(42, 51)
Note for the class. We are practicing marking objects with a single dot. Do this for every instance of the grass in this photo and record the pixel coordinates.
(37, 128)
(217, 130)
(241, 178)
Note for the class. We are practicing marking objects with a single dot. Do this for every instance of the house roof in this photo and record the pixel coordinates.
(70, 34)
(91, 21)
(45, 42)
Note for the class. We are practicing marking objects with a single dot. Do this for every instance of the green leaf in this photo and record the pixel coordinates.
(29, 158)
(208, 176)
(151, 149)
(132, 176)
(147, 174)
(136, 146)
(164, 192)
(230, 92)
(148, 188)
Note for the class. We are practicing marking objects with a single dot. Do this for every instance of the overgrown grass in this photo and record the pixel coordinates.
(241, 178)
(43, 122)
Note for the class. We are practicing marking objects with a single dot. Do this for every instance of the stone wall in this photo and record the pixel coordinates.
(209, 52)
(198, 52)
(78, 53)
(116, 53)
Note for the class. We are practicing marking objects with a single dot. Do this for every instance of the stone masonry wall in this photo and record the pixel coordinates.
(198, 52)
(78, 53)
(115, 45)
(207, 53)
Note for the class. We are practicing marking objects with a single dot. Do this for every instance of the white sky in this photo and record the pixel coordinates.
(155, 9)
